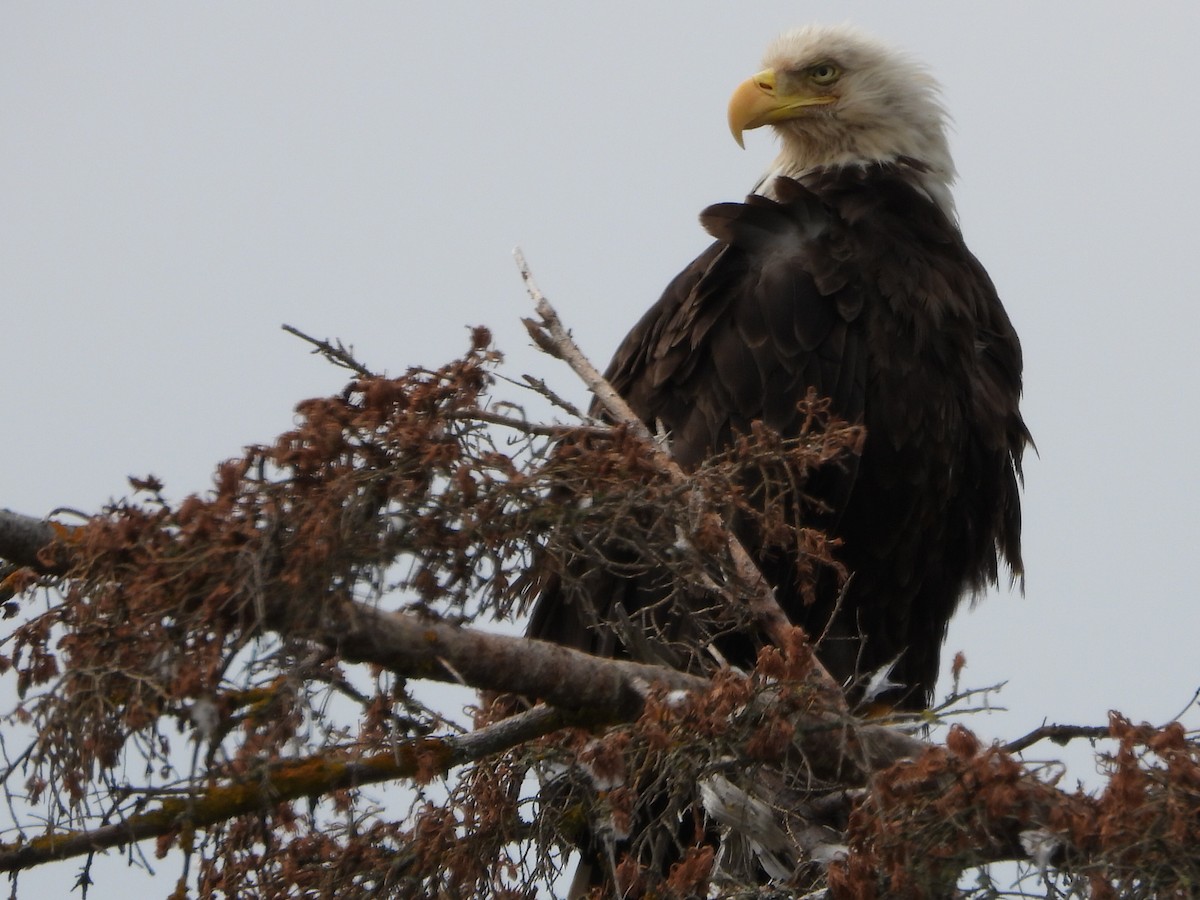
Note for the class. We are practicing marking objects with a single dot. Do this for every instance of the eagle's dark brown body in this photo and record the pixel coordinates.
(855, 283)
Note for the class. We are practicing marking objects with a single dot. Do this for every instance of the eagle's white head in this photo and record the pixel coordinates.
(837, 97)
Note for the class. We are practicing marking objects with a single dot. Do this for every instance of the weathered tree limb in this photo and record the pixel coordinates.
(608, 690)
(309, 777)
(414, 647)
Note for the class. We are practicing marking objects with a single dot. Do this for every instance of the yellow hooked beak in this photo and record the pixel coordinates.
(757, 102)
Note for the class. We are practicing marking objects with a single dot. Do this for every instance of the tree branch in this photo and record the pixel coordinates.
(335, 353)
(550, 335)
(424, 648)
(312, 776)
(605, 689)
(1059, 734)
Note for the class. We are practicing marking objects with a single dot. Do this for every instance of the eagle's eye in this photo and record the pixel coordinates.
(824, 73)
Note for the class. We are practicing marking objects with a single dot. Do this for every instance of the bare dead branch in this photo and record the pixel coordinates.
(526, 427)
(413, 647)
(540, 386)
(1059, 734)
(336, 353)
(553, 337)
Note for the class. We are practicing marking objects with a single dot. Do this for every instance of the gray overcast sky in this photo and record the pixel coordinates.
(178, 180)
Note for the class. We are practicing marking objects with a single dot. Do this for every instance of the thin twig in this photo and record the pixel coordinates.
(1179, 715)
(540, 386)
(959, 696)
(337, 353)
(524, 425)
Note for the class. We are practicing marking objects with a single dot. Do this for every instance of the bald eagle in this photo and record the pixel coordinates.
(844, 272)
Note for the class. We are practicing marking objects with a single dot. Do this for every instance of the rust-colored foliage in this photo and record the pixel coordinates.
(207, 618)
(161, 599)
(965, 804)
(418, 490)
